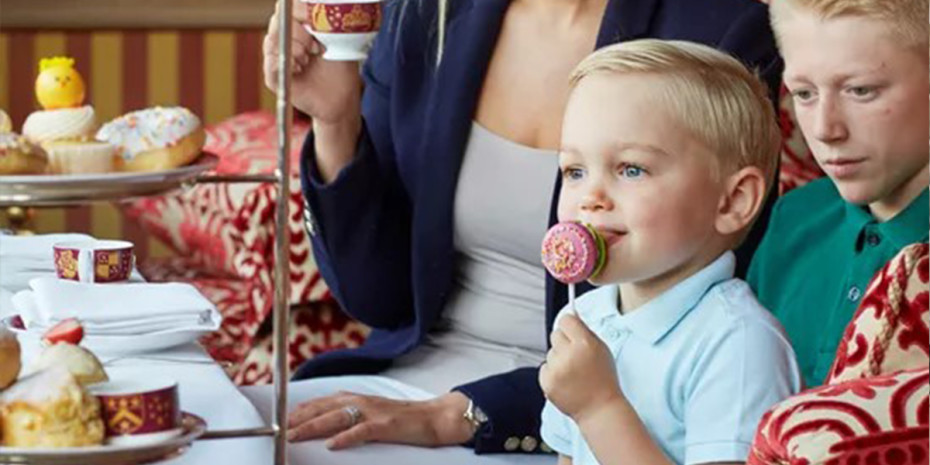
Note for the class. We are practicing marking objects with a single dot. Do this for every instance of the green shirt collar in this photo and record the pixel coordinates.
(907, 227)
(911, 224)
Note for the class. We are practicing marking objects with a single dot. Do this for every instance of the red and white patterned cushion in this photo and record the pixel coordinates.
(224, 237)
(889, 332)
(874, 409)
(870, 421)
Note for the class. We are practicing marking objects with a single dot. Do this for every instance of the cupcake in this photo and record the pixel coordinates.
(66, 124)
(19, 156)
(80, 157)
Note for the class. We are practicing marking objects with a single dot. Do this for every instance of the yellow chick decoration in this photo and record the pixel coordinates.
(59, 85)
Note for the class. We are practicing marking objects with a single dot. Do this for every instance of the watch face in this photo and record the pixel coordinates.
(479, 415)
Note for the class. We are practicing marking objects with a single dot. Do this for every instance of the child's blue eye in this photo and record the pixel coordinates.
(572, 174)
(631, 171)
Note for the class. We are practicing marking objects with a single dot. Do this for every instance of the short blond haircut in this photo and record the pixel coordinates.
(907, 20)
(712, 94)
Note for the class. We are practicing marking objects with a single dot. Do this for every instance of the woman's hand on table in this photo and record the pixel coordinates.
(432, 423)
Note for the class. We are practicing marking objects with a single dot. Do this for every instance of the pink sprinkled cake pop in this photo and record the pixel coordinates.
(573, 252)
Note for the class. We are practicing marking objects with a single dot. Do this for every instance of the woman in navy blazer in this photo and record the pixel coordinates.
(381, 222)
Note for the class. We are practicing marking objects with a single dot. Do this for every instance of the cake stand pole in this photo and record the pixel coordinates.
(282, 234)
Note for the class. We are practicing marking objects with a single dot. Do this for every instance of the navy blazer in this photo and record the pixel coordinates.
(382, 231)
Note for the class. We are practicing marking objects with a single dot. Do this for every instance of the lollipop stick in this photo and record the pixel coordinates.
(571, 298)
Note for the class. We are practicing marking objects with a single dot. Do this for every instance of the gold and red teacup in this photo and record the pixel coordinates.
(346, 28)
(94, 261)
(139, 411)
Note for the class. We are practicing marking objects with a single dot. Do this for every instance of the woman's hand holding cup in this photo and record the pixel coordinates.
(328, 91)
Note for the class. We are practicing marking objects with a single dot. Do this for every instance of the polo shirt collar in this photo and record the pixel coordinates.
(659, 316)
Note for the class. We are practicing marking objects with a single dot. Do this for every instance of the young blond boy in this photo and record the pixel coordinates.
(667, 149)
(858, 74)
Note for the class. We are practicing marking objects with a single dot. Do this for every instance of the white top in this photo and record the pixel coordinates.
(494, 319)
(700, 364)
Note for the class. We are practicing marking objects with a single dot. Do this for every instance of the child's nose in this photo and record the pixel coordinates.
(829, 125)
(596, 199)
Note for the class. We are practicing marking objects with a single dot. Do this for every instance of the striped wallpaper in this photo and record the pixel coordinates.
(215, 73)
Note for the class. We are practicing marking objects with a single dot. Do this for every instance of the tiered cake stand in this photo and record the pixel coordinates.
(30, 191)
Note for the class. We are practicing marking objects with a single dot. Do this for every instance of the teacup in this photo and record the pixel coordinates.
(94, 261)
(345, 27)
(139, 411)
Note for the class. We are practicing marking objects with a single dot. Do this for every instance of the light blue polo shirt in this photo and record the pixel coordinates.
(700, 364)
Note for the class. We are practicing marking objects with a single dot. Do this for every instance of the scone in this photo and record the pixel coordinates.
(155, 139)
(9, 358)
(83, 364)
(50, 409)
(19, 156)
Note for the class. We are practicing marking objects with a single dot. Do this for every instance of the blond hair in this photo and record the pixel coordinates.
(907, 20)
(713, 95)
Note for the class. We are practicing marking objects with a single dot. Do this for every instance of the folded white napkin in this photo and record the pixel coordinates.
(113, 309)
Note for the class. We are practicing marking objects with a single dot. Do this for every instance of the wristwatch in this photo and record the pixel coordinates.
(474, 416)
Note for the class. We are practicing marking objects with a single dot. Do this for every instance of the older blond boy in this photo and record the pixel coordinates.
(858, 74)
(667, 150)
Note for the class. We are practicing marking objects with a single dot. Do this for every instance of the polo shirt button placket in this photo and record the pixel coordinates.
(873, 239)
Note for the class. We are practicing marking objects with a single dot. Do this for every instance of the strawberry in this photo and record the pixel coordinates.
(69, 331)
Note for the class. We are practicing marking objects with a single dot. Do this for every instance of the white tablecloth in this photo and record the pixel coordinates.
(205, 391)
(315, 453)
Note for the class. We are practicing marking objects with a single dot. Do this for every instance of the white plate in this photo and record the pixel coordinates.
(115, 345)
(193, 425)
(62, 189)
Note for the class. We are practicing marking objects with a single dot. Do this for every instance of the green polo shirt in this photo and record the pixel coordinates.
(816, 260)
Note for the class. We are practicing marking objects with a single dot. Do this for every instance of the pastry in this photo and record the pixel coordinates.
(84, 365)
(9, 358)
(66, 124)
(6, 125)
(19, 156)
(50, 409)
(573, 252)
(155, 139)
(80, 157)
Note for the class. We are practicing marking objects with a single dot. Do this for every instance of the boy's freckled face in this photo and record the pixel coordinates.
(861, 99)
(634, 172)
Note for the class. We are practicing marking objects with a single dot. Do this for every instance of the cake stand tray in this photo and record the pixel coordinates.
(72, 189)
(193, 425)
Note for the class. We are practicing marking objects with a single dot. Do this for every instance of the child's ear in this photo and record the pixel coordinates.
(744, 193)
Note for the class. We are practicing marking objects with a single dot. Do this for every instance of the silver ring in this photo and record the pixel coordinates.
(354, 414)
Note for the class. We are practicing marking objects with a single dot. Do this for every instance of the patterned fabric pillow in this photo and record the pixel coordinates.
(870, 421)
(243, 344)
(228, 229)
(874, 408)
(889, 332)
